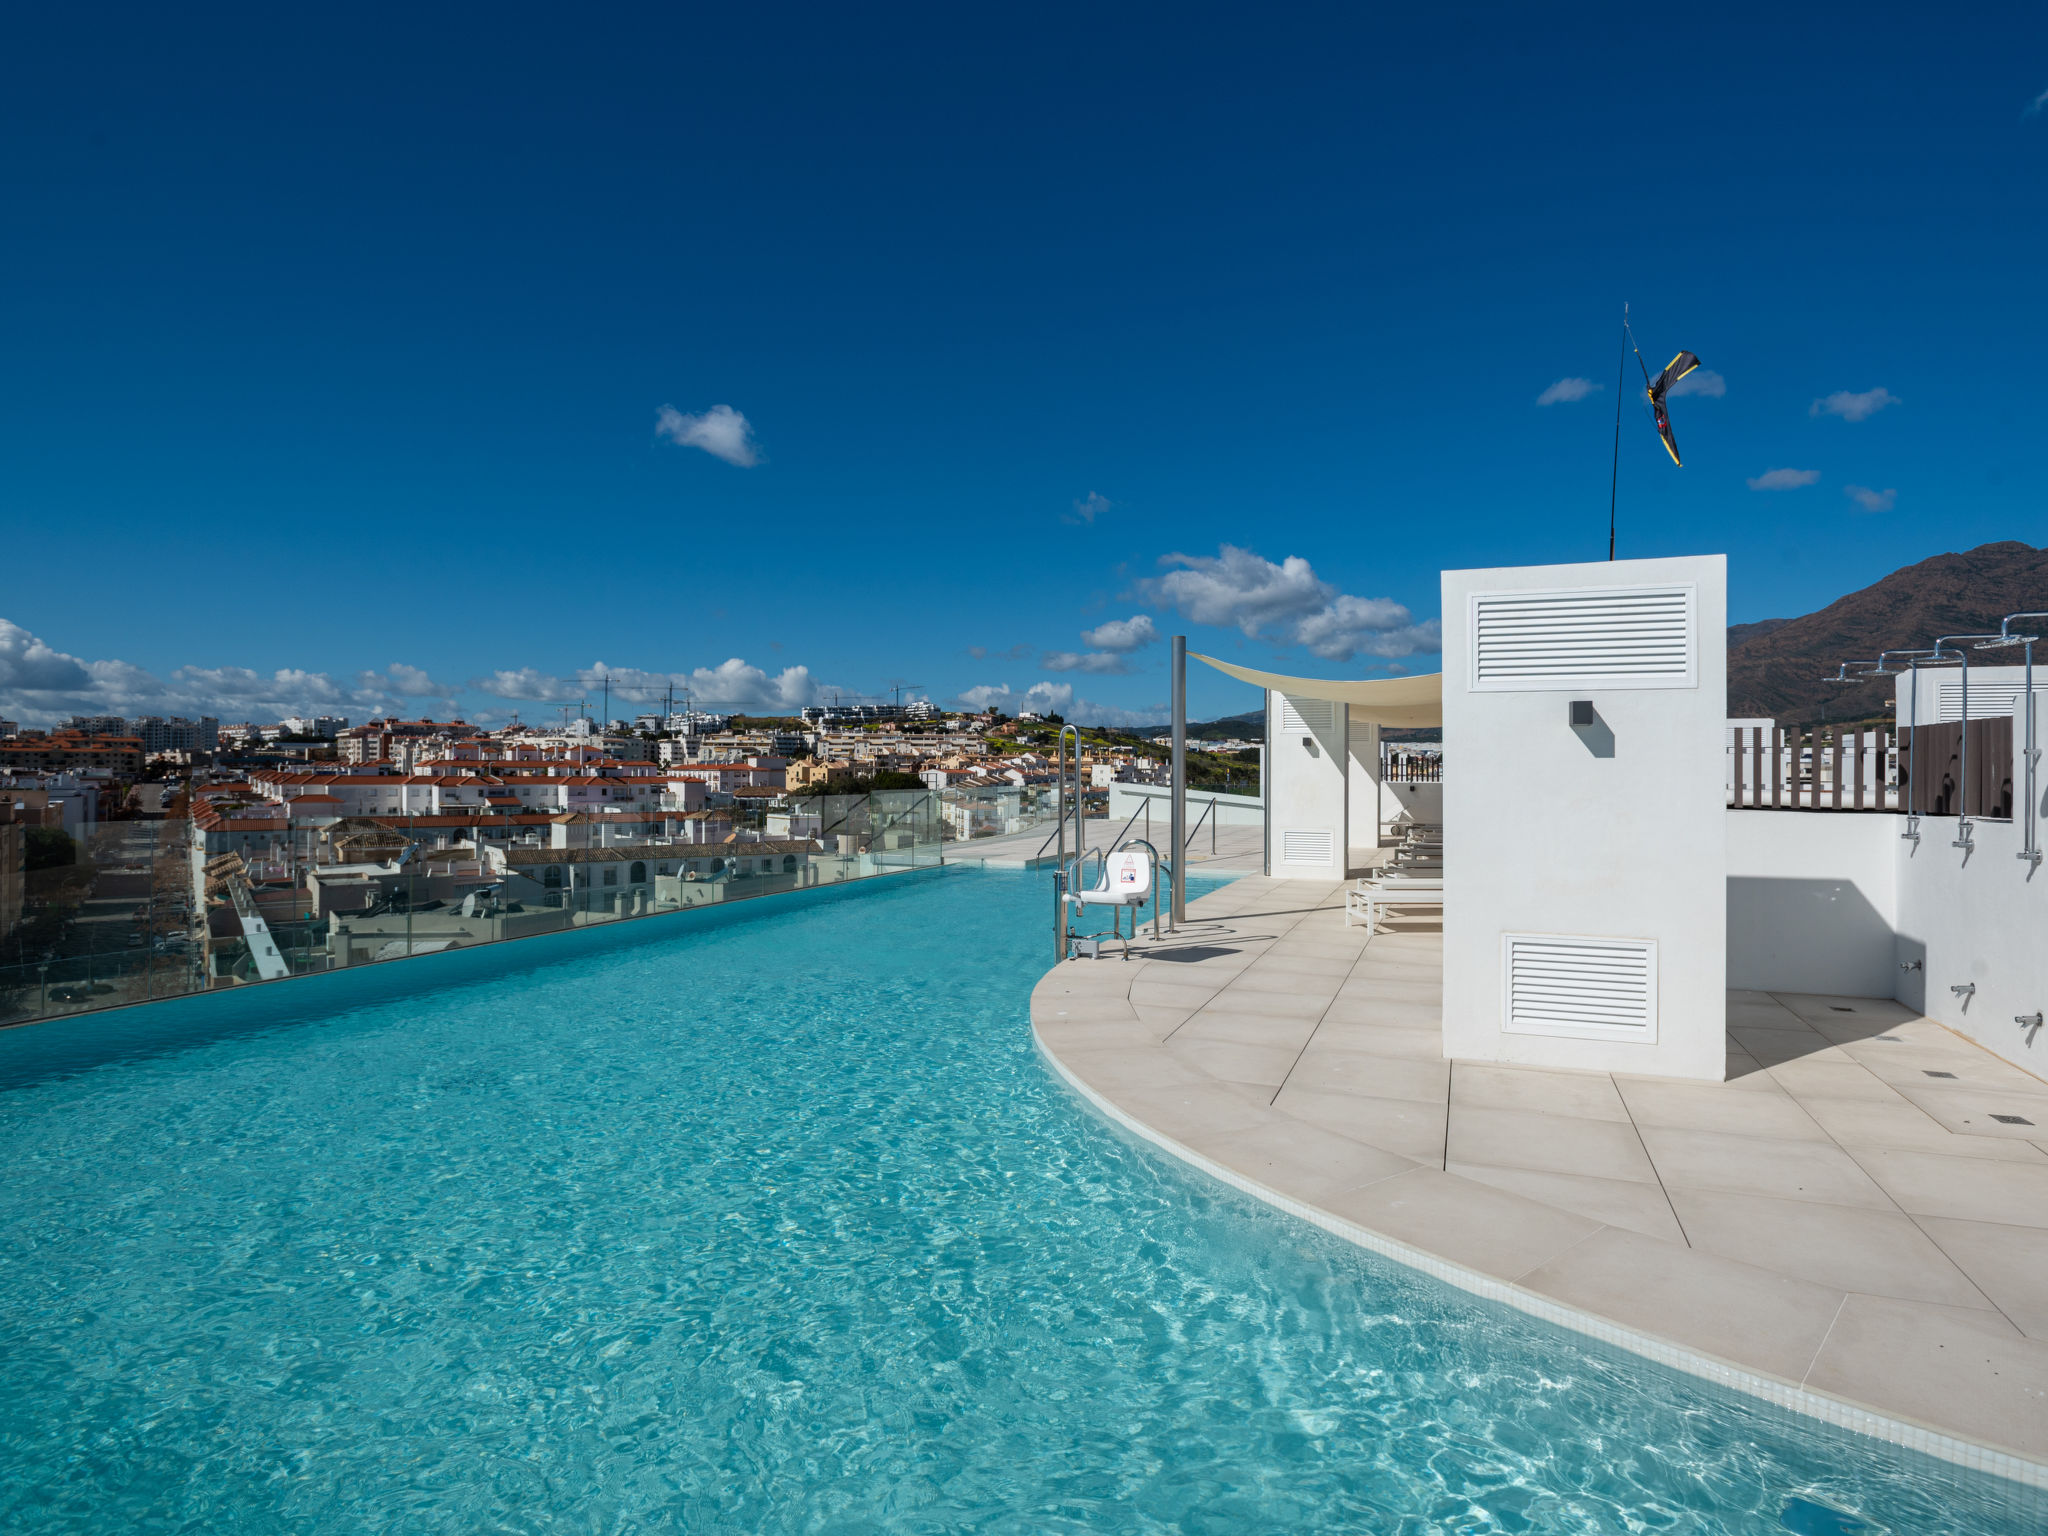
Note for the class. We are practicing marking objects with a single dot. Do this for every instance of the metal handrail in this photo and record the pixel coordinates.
(1206, 811)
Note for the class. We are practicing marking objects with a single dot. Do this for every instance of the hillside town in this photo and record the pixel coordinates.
(173, 853)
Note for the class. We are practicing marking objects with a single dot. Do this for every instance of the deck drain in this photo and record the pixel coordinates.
(1887, 1039)
(1937, 1074)
(1838, 1008)
(2012, 1119)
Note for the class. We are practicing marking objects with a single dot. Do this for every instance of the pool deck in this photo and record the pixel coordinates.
(1837, 1228)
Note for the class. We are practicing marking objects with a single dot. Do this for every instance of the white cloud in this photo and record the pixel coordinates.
(1122, 635)
(1049, 698)
(1869, 500)
(41, 686)
(1784, 479)
(737, 685)
(1088, 508)
(1101, 663)
(1854, 407)
(732, 685)
(526, 684)
(1238, 589)
(2034, 106)
(410, 682)
(721, 432)
(27, 665)
(1565, 391)
(1701, 381)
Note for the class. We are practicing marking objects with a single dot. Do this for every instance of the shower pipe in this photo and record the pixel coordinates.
(1963, 773)
(2030, 852)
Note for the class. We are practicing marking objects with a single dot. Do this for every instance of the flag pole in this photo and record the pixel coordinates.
(1614, 478)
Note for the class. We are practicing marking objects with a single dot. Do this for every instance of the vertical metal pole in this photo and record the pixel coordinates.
(1180, 779)
(1912, 788)
(1963, 789)
(1266, 788)
(2031, 852)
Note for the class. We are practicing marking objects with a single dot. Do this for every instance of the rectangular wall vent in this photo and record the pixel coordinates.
(1584, 637)
(1987, 700)
(1588, 988)
(1307, 717)
(1308, 848)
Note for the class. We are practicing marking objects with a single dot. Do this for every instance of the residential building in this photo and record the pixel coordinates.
(118, 757)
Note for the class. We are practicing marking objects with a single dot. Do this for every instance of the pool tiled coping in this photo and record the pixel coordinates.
(1833, 1230)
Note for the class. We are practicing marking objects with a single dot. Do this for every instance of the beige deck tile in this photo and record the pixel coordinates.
(1182, 1111)
(1116, 1070)
(1882, 1252)
(1300, 1160)
(1969, 1371)
(1517, 1138)
(1367, 984)
(1774, 1047)
(1588, 1095)
(1387, 1014)
(1969, 1111)
(1159, 1022)
(1716, 1107)
(1835, 1079)
(1407, 1126)
(1973, 1189)
(1182, 995)
(1256, 1003)
(1329, 1070)
(1862, 1029)
(1828, 1007)
(1898, 1122)
(1745, 995)
(2008, 1264)
(1764, 1015)
(1745, 1070)
(1907, 1066)
(1760, 1165)
(1320, 973)
(1611, 1202)
(1245, 1028)
(1380, 1040)
(1066, 1035)
(1473, 1224)
(1733, 1311)
(1283, 982)
(1297, 945)
(1233, 1061)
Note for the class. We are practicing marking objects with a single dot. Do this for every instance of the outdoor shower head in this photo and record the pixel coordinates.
(1844, 675)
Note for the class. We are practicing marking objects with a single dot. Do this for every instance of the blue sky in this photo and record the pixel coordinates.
(339, 344)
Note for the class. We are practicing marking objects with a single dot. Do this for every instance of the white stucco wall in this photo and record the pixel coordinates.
(1307, 765)
(1368, 805)
(1231, 810)
(1813, 901)
(1976, 919)
(1615, 831)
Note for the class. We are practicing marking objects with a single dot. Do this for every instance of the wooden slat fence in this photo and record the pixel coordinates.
(1857, 770)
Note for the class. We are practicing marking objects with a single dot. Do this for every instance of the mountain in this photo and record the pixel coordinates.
(1777, 668)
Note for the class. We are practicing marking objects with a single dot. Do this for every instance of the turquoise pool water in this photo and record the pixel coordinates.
(779, 1227)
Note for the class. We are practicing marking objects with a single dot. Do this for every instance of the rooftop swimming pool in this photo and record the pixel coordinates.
(778, 1225)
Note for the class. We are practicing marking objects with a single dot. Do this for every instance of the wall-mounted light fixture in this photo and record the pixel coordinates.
(1582, 712)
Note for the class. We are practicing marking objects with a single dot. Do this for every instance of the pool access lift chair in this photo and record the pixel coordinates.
(1130, 877)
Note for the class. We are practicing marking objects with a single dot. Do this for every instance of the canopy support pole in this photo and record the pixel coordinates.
(1180, 779)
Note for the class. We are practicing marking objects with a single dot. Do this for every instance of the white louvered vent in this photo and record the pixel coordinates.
(1560, 984)
(1987, 700)
(1307, 848)
(1306, 717)
(1585, 637)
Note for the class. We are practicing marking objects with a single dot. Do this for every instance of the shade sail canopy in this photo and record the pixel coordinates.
(1402, 701)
